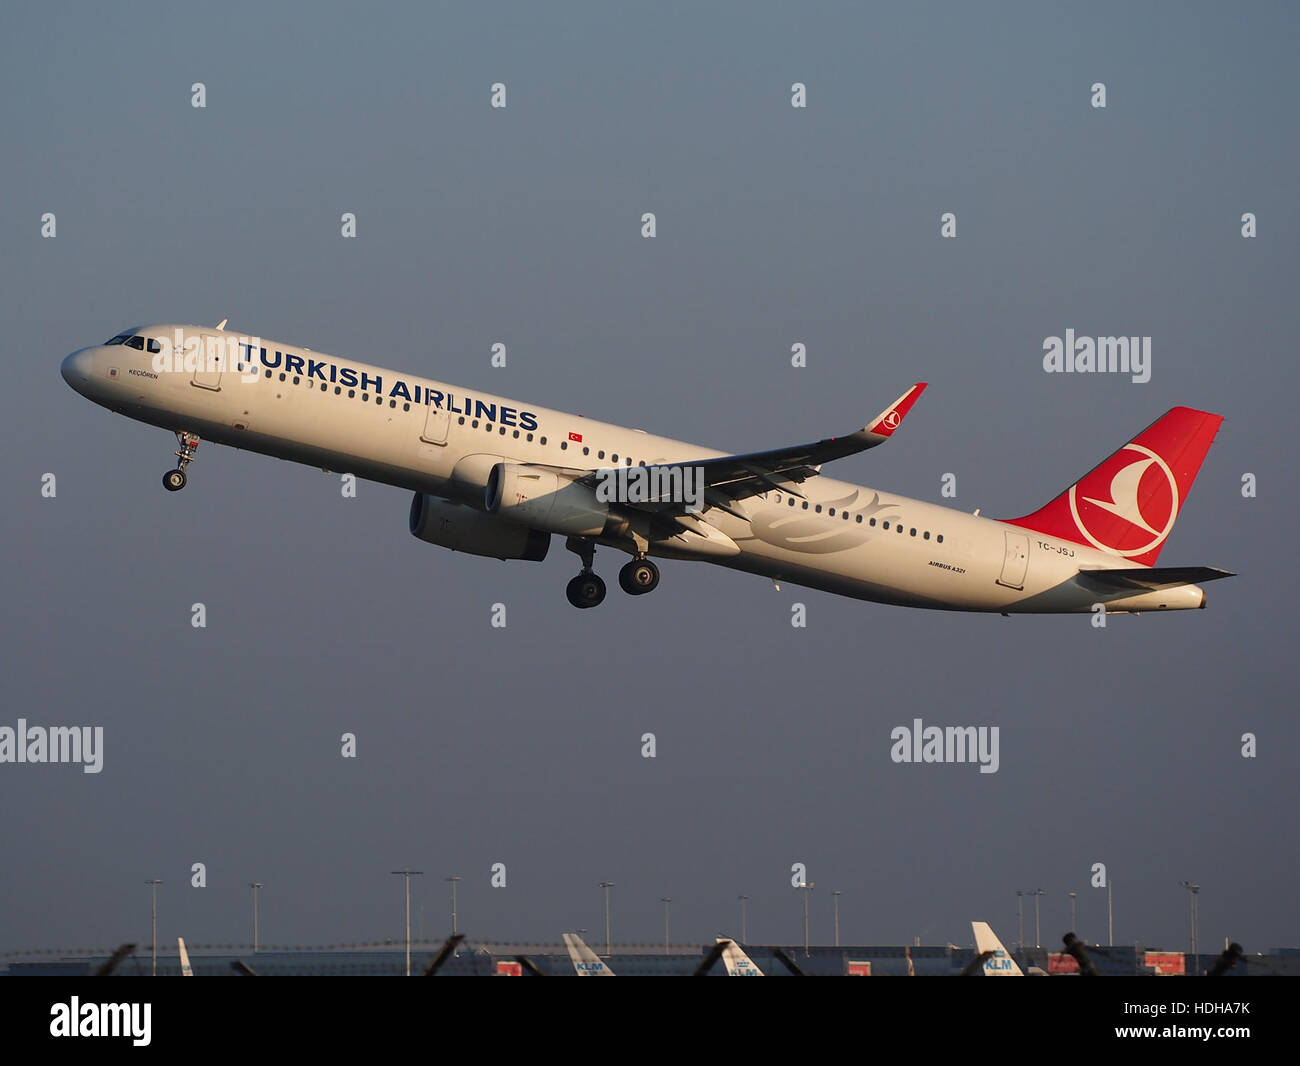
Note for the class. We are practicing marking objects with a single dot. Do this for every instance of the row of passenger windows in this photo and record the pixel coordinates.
(474, 423)
(885, 523)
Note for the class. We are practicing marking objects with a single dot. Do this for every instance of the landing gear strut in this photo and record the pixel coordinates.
(175, 480)
(587, 589)
(639, 577)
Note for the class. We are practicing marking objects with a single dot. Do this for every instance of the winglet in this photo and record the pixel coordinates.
(892, 416)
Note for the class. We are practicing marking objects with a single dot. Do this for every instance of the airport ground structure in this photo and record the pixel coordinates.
(483, 959)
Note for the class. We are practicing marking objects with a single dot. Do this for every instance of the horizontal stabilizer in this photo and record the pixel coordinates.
(1154, 577)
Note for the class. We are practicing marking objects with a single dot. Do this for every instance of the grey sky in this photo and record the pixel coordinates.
(522, 225)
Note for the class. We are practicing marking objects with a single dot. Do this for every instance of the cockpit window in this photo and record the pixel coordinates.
(124, 337)
(136, 342)
(155, 345)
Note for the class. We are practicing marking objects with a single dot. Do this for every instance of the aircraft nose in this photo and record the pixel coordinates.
(76, 368)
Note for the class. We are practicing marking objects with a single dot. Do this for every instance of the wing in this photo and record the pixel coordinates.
(734, 477)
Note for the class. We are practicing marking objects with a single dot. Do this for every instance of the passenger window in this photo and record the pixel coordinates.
(927, 534)
(885, 525)
(939, 538)
(859, 520)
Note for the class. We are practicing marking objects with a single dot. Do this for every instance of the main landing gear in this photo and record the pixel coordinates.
(588, 590)
(175, 480)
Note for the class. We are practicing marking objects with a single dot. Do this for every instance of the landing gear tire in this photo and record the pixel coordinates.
(585, 590)
(639, 577)
(174, 480)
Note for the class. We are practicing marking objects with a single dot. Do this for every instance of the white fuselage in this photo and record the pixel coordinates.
(843, 538)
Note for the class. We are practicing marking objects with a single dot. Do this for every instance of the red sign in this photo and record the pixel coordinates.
(510, 969)
(859, 969)
(1166, 962)
(1060, 962)
(576, 436)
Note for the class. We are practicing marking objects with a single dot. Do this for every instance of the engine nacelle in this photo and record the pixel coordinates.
(545, 500)
(464, 529)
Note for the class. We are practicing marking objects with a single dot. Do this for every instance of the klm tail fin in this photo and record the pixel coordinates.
(1001, 964)
(585, 961)
(737, 962)
(1127, 505)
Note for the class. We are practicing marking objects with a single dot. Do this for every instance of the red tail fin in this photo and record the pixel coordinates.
(1127, 505)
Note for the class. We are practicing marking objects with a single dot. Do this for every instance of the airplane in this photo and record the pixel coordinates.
(585, 961)
(737, 962)
(499, 478)
(1000, 963)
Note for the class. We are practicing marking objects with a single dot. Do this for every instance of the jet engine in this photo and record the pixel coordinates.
(464, 529)
(542, 499)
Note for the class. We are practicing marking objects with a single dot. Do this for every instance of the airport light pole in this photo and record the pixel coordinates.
(1020, 919)
(1037, 935)
(607, 885)
(408, 873)
(1110, 910)
(1193, 894)
(806, 887)
(453, 881)
(154, 884)
(665, 900)
(1074, 917)
(836, 896)
(744, 939)
(255, 885)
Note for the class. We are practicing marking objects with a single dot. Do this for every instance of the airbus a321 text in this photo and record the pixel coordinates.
(498, 478)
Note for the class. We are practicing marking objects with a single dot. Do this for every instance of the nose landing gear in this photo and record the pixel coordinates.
(175, 480)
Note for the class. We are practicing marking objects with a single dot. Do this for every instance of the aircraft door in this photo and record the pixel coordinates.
(209, 362)
(435, 425)
(1015, 561)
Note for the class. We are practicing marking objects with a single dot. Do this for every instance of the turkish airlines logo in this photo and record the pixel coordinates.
(889, 422)
(1127, 506)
